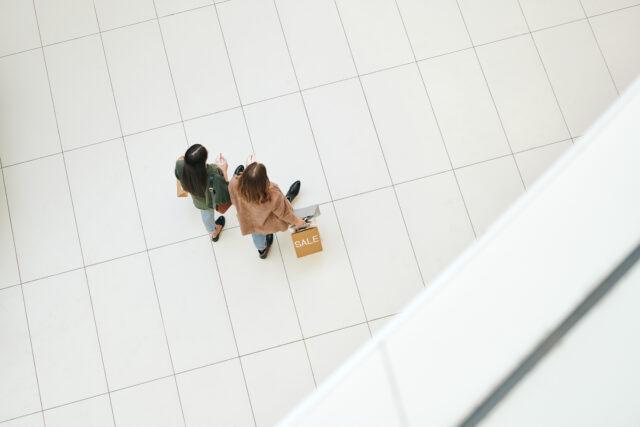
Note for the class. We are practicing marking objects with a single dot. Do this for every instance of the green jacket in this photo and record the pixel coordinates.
(215, 180)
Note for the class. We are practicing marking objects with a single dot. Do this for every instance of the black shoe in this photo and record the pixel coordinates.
(293, 191)
(220, 221)
(239, 170)
(263, 253)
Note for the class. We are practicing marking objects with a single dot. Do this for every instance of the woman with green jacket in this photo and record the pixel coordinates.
(207, 184)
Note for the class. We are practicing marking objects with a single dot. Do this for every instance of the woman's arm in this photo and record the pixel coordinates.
(222, 164)
(284, 211)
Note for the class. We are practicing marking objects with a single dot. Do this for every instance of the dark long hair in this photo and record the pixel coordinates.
(254, 184)
(194, 174)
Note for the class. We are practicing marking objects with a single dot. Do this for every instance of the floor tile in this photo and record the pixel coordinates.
(224, 133)
(577, 72)
(257, 49)
(534, 163)
(367, 378)
(277, 380)
(34, 420)
(376, 34)
(262, 312)
(153, 404)
(434, 27)
(9, 274)
(521, 90)
(82, 92)
(18, 385)
(94, 412)
(165, 217)
(199, 63)
(166, 7)
(463, 107)
(488, 189)
(345, 134)
(116, 13)
(66, 19)
(380, 252)
(593, 7)
(546, 13)
(215, 396)
(318, 45)
(493, 19)
(618, 34)
(141, 79)
(193, 305)
(24, 86)
(129, 323)
(104, 201)
(322, 284)
(281, 126)
(46, 237)
(327, 352)
(65, 345)
(18, 27)
(408, 132)
(437, 220)
(378, 325)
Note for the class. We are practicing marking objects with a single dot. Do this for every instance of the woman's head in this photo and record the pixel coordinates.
(254, 184)
(194, 174)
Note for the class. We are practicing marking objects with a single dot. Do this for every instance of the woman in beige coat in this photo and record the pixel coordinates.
(261, 206)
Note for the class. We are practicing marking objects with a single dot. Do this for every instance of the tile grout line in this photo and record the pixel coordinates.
(233, 75)
(24, 301)
(84, 264)
(75, 220)
(173, 83)
(493, 101)
(399, 183)
(435, 118)
(324, 174)
(546, 72)
(144, 237)
(295, 309)
(13, 236)
(595, 38)
(196, 368)
(384, 158)
(233, 332)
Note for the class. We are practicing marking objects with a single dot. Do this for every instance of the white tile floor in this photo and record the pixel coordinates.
(413, 123)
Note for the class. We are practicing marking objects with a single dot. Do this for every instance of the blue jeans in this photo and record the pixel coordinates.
(209, 219)
(260, 240)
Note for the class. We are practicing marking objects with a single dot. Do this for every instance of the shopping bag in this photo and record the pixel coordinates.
(179, 190)
(306, 241)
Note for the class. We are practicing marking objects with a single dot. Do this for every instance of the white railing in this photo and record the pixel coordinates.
(470, 330)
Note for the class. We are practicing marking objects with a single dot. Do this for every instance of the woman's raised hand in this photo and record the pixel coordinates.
(222, 162)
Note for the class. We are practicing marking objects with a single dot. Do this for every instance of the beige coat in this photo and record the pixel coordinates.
(270, 217)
